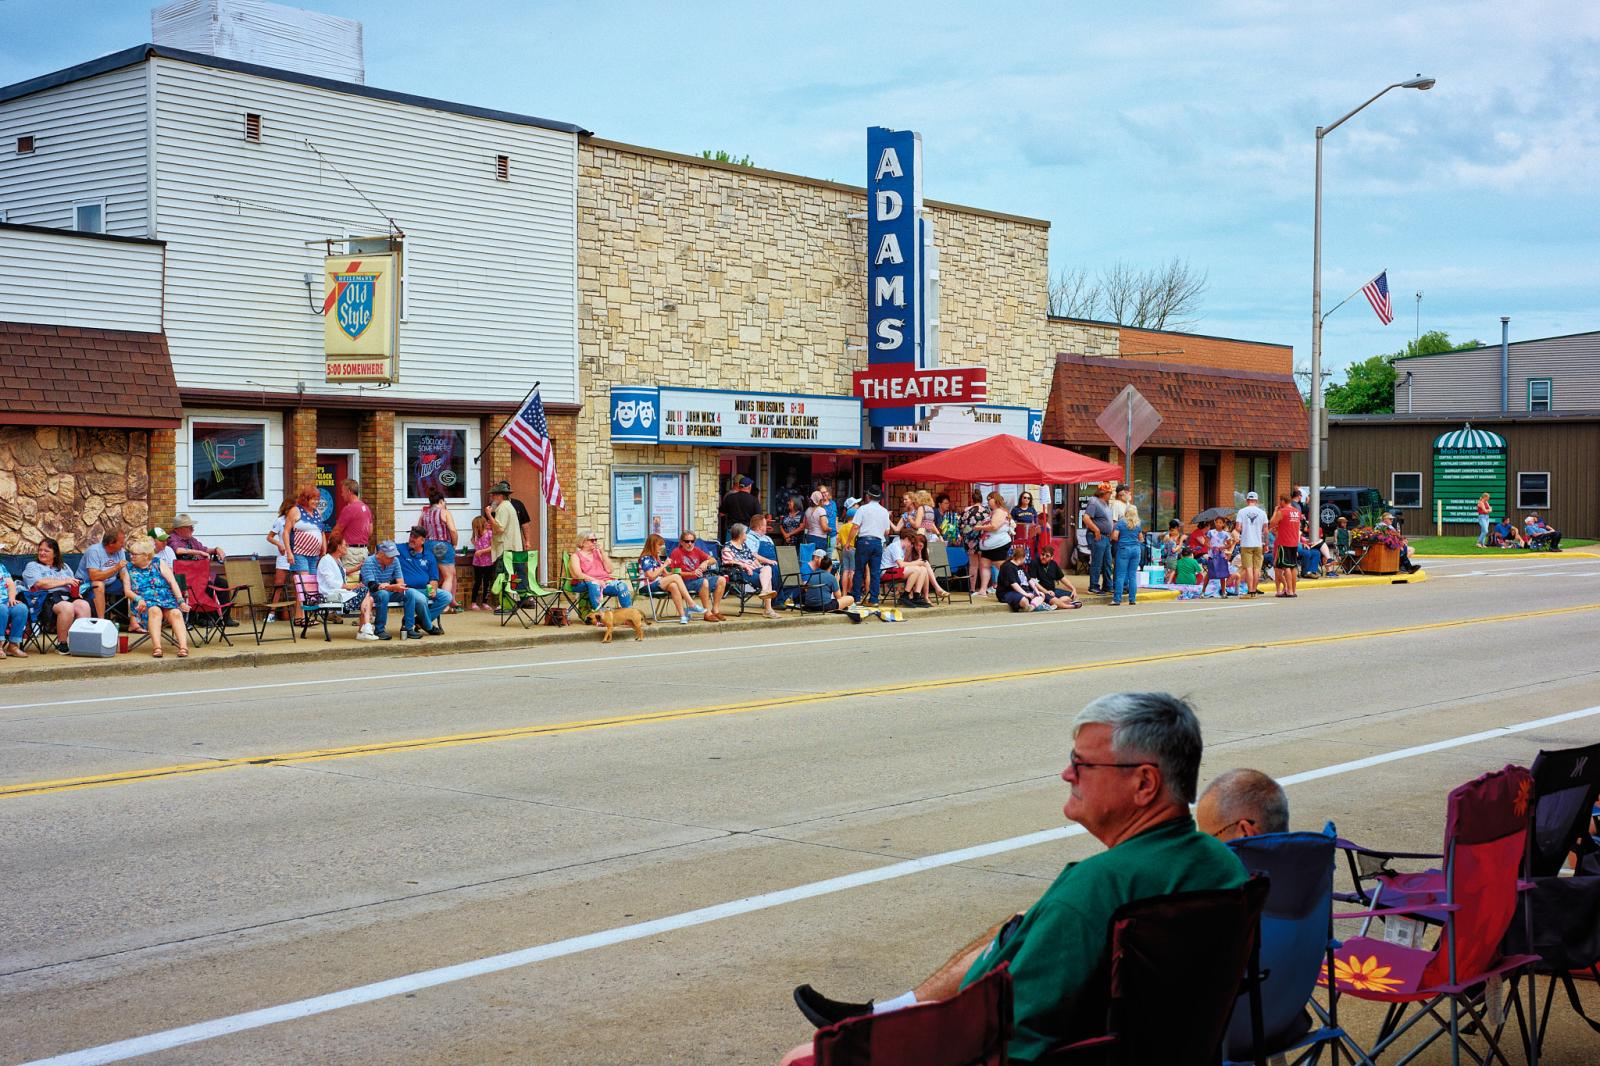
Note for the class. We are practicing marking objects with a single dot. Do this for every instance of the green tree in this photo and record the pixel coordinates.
(720, 156)
(1368, 387)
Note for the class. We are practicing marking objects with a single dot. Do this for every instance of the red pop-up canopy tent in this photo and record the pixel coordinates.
(1007, 460)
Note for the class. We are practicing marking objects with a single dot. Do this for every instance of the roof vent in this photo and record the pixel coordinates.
(252, 127)
(270, 35)
(502, 168)
(25, 144)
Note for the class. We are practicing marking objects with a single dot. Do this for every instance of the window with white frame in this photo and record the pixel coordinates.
(227, 460)
(89, 216)
(645, 501)
(1540, 394)
(1533, 491)
(436, 457)
(1405, 489)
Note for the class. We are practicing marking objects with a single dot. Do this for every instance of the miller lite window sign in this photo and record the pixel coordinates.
(436, 459)
(359, 309)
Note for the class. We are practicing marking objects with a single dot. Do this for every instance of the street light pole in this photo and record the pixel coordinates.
(1315, 451)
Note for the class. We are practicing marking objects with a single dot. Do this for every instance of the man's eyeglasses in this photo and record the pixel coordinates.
(1078, 765)
(1236, 822)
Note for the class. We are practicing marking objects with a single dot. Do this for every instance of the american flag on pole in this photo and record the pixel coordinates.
(1377, 293)
(529, 434)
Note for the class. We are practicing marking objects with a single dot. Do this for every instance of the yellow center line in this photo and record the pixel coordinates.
(35, 788)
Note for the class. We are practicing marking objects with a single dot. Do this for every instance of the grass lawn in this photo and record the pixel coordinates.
(1469, 546)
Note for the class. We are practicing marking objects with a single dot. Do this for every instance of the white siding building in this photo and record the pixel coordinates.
(242, 170)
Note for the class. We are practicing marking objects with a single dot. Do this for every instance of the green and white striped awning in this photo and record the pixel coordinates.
(1467, 437)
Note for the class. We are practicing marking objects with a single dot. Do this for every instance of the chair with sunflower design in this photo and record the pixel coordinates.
(1473, 898)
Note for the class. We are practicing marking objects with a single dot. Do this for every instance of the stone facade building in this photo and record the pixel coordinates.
(712, 275)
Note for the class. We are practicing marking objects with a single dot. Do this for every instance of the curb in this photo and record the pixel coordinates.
(1351, 581)
(511, 639)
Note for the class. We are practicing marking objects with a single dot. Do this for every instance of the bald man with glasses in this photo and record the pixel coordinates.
(1131, 775)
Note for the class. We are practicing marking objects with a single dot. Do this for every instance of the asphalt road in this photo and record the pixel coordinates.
(601, 812)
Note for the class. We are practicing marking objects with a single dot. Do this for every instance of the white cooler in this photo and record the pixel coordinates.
(94, 637)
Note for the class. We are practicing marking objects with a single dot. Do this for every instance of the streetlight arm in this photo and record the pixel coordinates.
(1323, 131)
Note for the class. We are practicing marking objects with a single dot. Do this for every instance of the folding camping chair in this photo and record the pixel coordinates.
(207, 616)
(314, 607)
(1176, 965)
(1473, 898)
(577, 597)
(941, 557)
(1560, 920)
(517, 591)
(40, 631)
(791, 568)
(641, 589)
(1296, 944)
(968, 1029)
(244, 576)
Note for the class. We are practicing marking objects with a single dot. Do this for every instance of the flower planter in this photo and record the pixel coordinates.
(1381, 560)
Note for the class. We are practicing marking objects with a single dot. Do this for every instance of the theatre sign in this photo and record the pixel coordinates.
(720, 418)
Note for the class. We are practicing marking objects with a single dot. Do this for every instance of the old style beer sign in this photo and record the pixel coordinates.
(360, 329)
(896, 385)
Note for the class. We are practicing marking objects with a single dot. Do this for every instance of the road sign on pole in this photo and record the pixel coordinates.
(1128, 422)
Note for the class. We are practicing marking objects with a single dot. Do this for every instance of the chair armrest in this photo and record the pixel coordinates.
(1347, 845)
(1381, 912)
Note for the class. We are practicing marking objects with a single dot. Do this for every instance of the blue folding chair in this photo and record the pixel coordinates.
(1296, 943)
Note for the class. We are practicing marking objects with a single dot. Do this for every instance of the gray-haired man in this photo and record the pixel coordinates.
(1132, 773)
(1242, 803)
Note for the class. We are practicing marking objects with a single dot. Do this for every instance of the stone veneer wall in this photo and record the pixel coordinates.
(71, 484)
(717, 276)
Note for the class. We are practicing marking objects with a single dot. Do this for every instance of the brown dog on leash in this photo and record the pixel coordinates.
(628, 616)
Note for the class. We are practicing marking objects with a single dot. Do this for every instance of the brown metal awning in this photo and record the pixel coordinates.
(1201, 407)
(77, 376)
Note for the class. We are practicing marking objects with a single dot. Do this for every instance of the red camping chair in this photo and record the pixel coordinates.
(968, 1029)
(206, 619)
(1473, 898)
(1177, 964)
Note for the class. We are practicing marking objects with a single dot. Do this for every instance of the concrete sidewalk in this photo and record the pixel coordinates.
(476, 631)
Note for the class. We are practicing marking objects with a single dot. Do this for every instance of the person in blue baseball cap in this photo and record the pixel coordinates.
(382, 577)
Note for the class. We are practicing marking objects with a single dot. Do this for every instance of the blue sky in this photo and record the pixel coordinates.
(1141, 131)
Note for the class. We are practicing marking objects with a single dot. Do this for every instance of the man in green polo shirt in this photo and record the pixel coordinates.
(1132, 775)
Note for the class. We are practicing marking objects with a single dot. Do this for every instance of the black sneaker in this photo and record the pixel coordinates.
(61, 646)
(436, 630)
(822, 1012)
(411, 634)
(383, 635)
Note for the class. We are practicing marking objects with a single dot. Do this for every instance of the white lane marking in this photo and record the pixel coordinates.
(1524, 573)
(1068, 618)
(397, 986)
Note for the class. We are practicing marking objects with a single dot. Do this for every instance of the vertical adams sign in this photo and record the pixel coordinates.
(894, 257)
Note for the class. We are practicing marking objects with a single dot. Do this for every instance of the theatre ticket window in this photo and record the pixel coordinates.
(436, 458)
(648, 501)
(227, 461)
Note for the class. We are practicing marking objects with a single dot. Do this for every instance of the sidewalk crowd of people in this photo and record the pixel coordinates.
(848, 554)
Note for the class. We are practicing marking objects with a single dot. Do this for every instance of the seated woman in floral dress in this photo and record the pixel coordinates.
(153, 588)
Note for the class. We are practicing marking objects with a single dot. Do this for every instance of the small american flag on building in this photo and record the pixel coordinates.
(1377, 293)
(529, 434)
